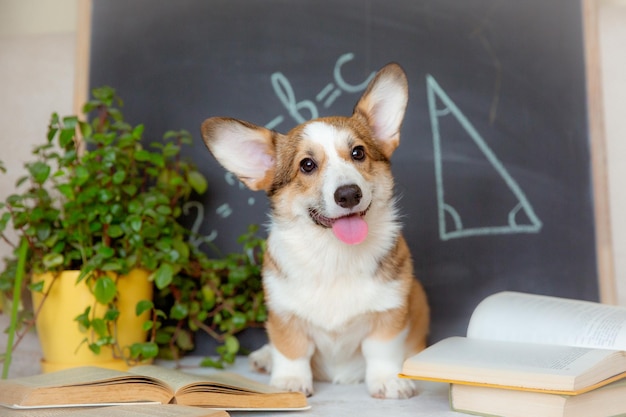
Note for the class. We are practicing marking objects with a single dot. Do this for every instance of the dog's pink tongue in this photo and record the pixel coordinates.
(351, 230)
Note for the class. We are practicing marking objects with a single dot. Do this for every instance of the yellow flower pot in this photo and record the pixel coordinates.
(58, 332)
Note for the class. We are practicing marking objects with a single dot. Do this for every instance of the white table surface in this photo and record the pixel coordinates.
(344, 400)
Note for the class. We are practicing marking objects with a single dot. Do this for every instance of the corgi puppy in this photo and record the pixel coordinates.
(343, 303)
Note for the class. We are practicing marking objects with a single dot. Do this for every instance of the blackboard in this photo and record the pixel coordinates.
(493, 171)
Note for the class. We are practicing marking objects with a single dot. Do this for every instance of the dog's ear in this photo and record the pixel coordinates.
(383, 105)
(242, 148)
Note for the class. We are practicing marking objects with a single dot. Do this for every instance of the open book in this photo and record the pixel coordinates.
(97, 386)
(531, 342)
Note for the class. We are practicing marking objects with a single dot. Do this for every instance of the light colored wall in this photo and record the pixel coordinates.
(32, 17)
(37, 55)
(37, 43)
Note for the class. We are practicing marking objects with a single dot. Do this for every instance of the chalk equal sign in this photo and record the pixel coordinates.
(330, 93)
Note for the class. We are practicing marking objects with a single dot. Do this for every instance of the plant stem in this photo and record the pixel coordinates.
(17, 296)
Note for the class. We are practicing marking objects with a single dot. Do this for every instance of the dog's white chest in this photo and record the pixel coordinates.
(331, 289)
(331, 306)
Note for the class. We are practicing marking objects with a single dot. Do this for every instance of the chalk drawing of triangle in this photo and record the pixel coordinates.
(521, 217)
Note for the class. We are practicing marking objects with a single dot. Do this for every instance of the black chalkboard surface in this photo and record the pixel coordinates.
(493, 171)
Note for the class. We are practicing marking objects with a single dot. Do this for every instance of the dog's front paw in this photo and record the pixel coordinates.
(392, 388)
(293, 383)
(261, 360)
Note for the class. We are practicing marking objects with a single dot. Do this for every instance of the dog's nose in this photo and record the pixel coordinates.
(348, 196)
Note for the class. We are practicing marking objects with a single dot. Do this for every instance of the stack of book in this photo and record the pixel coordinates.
(533, 356)
(146, 390)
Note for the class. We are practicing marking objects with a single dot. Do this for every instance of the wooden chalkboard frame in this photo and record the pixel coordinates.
(604, 247)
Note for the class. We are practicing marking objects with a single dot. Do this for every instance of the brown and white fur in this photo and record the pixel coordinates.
(337, 312)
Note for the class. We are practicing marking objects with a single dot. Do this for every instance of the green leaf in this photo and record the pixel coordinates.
(43, 231)
(112, 314)
(85, 129)
(202, 315)
(212, 363)
(82, 174)
(144, 350)
(138, 131)
(115, 114)
(163, 276)
(119, 177)
(157, 160)
(164, 336)
(106, 251)
(104, 195)
(171, 150)
(105, 289)
(135, 223)
(67, 190)
(130, 189)
(52, 260)
(99, 326)
(142, 155)
(90, 106)
(134, 206)
(179, 311)
(142, 306)
(52, 131)
(149, 350)
(115, 231)
(112, 266)
(170, 134)
(4, 220)
(83, 320)
(232, 344)
(147, 325)
(164, 210)
(84, 272)
(184, 340)
(37, 286)
(40, 172)
(209, 296)
(66, 137)
(182, 248)
(70, 122)
(239, 320)
(95, 227)
(150, 201)
(21, 180)
(151, 232)
(197, 182)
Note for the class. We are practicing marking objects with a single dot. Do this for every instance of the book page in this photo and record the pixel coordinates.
(218, 380)
(541, 319)
(66, 377)
(174, 378)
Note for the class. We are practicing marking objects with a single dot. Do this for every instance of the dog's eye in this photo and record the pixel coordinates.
(358, 153)
(307, 165)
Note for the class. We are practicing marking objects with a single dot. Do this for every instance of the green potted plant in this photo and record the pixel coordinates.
(111, 215)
